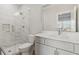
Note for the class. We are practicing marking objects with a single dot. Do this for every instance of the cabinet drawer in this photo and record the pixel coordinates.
(76, 48)
(40, 40)
(62, 52)
(60, 44)
(36, 48)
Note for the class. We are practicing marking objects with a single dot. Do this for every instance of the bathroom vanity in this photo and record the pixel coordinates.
(50, 43)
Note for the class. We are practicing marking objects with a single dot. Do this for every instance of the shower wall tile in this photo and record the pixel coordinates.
(32, 23)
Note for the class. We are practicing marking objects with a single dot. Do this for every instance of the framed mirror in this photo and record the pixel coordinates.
(67, 20)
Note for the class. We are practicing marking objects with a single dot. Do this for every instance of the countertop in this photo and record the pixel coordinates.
(72, 37)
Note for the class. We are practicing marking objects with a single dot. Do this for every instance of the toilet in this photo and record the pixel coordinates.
(27, 48)
(23, 49)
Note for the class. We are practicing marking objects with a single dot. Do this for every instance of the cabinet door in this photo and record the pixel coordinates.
(41, 49)
(62, 52)
(59, 44)
(53, 51)
(37, 48)
(77, 48)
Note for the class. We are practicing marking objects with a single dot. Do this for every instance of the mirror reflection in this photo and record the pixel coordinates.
(66, 23)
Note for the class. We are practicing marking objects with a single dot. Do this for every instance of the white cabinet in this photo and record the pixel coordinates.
(42, 49)
(53, 51)
(62, 52)
(47, 50)
(59, 44)
(45, 46)
(76, 48)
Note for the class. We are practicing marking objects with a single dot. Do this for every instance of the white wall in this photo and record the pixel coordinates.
(6, 17)
(35, 19)
(50, 13)
(31, 22)
(78, 16)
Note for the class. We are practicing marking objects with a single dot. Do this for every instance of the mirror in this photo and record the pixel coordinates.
(67, 21)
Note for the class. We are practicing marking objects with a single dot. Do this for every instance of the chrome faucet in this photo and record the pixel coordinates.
(60, 31)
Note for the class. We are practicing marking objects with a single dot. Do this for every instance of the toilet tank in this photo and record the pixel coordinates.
(31, 38)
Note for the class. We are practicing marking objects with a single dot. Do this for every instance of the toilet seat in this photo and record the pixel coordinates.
(25, 45)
